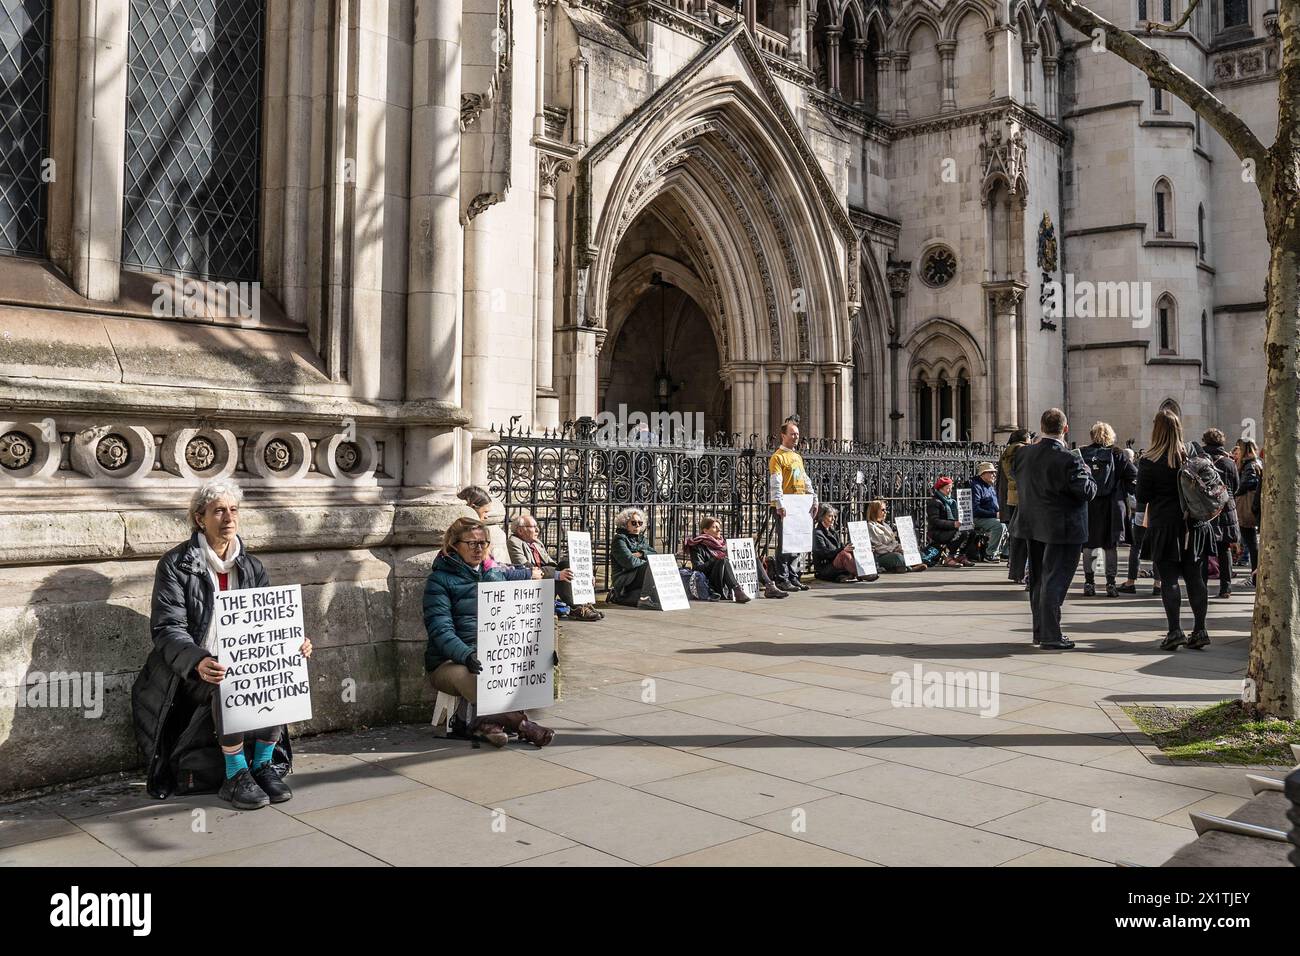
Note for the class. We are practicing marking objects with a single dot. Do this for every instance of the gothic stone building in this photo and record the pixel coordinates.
(325, 246)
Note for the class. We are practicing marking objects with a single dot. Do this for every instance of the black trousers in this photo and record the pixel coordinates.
(1250, 541)
(1051, 569)
(203, 694)
(1191, 570)
(643, 580)
(785, 563)
(1135, 552)
(721, 575)
(1224, 556)
(1017, 549)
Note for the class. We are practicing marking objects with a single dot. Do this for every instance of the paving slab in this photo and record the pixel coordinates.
(766, 849)
(627, 823)
(735, 792)
(930, 793)
(1074, 828)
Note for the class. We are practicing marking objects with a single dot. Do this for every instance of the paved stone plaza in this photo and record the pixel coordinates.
(771, 740)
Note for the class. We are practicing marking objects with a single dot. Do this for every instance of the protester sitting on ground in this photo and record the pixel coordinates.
(1227, 528)
(707, 552)
(985, 509)
(1174, 544)
(451, 621)
(175, 702)
(1009, 496)
(832, 559)
(942, 526)
(526, 550)
(1115, 477)
(884, 542)
(634, 585)
(1251, 474)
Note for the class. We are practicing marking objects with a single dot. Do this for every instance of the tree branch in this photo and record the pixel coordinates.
(1162, 72)
(1155, 27)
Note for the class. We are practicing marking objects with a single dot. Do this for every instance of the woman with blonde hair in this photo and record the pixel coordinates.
(1116, 478)
(451, 622)
(1174, 544)
(884, 542)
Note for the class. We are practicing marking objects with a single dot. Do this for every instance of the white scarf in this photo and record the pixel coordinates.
(217, 565)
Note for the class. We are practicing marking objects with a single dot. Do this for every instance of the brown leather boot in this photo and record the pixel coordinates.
(490, 730)
(536, 734)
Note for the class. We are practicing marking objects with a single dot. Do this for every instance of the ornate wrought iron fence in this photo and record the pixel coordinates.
(569, 480)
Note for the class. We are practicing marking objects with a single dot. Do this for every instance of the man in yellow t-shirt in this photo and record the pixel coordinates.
(786, 476)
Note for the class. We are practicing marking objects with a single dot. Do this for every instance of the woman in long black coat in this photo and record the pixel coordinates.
(174, 700)
(1116, 477)
(1174, 544)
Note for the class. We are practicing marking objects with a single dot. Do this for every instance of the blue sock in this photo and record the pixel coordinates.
(234, 762)
(262, 752)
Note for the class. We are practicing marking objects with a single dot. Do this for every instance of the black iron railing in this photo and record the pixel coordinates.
(570, 480)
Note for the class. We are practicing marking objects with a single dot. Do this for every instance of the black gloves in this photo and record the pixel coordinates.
(472, 664)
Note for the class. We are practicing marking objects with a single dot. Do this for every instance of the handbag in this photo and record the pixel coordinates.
(1246, 516)
(696, 585)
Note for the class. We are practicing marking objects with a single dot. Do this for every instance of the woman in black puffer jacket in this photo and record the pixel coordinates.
(174, 701)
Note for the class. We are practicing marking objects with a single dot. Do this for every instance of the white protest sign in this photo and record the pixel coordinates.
(668, 582)
(740, 552)
(516, 645)
(797, 525)
(583, 567)
(907, 538)
(965, 513)
(259, 634)
(862, 553)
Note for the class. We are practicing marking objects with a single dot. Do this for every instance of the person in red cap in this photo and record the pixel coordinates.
(942, 525)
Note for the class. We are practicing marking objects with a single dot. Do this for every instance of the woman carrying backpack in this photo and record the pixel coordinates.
(1116, 477)
(1227, 529)
(1174, 543)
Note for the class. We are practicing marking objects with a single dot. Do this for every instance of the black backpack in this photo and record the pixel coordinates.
(1101, 462)
(1201, 490)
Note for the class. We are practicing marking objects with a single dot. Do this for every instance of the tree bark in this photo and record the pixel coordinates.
(1273, 674)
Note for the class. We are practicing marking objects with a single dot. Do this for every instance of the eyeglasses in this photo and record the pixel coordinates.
(476, 545)
(634, 523)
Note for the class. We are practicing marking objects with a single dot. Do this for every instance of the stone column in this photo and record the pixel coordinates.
(579, 65)
(775, 399)
(1049, 87)
(539, 114)
(1001, 60)
(793, 18)
(1005, 376)
(810, 39)
(898, 274)
(99, 157)
(833, 60)
(859, 72)
(901, 62)
(547, 411)
(434, 270)
(884, 89)
(947, 53)
(751, 16)
(1028, 51)
(297, 164)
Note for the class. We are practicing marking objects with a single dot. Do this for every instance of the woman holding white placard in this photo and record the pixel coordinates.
(175, 702)
(884, 541)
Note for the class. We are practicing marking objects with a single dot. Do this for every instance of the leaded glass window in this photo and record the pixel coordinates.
(193, 138)
(24, 124)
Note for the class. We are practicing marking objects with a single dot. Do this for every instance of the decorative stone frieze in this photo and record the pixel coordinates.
(115, 451)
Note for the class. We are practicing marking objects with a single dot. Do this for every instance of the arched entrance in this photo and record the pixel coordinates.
(712, 186)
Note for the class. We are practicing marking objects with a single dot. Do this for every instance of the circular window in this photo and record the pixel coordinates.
(938, 267)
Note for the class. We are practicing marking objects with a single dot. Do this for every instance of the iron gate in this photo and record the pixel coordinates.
(569, 480)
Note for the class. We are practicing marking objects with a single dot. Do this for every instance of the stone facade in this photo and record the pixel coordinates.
(471, 210)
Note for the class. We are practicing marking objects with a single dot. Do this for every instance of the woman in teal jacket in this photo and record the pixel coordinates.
(451, 621)
(629, 551)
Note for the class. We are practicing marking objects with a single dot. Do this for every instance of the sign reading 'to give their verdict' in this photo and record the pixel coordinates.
(516, 645)
(259, 640)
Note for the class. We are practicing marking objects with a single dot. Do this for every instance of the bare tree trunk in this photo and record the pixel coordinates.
(1275, 634)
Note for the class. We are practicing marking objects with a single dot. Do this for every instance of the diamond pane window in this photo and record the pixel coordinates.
(24, 124)
(193, 138)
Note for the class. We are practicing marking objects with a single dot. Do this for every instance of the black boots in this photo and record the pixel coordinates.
(1199, 639)
(242, 792)
(271, 783)
(1173, 640)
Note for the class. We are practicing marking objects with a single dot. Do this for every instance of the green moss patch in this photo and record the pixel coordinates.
(1220, 733)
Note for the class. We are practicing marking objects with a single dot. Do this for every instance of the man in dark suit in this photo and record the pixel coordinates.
(1054, 486)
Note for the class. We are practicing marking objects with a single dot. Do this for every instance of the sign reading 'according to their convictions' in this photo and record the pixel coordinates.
(740, 552)
(516, 645)
(583, 567)
(907, 538)
(965, 513)
(259, 639)
(668, 582)
(863, 556)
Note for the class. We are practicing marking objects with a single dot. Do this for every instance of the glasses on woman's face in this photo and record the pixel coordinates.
(635, 523)
(475, 545)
